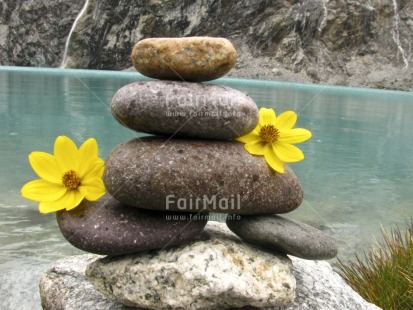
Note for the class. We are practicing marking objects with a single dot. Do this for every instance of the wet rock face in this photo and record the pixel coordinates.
(339, 42)
(33, 33)
(191, 175)
(172, 108)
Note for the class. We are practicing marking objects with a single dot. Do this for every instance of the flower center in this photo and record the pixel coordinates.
(269, 133)
(70, 179)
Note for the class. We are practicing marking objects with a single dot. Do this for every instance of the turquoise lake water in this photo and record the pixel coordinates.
(358, 171)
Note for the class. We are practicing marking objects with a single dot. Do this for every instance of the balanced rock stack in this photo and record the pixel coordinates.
(162, 188)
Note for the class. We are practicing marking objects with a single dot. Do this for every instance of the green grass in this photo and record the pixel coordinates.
(385, 277)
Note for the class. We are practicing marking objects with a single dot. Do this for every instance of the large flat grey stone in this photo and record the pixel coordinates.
(191, 175)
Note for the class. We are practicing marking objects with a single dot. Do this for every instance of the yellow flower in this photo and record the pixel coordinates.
(274, 137)
(67, 177)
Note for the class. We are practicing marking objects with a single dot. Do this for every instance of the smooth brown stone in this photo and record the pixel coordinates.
(194, 59)
(109, 227)
(186, 175)
(172, 108)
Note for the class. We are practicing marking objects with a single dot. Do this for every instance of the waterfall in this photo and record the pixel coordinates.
(396, 35)
(82, 11)
(325, 13)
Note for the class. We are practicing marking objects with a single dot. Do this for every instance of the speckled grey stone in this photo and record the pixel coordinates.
(284, 235)
(185, 109)
(65, 286)
(213, 273)
(109, 227)
(190, 175)
(184, 59)
(318, 287)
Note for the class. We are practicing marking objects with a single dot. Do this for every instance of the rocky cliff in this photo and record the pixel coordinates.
(345, 42)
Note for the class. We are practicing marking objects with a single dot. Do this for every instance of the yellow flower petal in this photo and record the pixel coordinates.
(89, 149)
(252, 136)
(99, 168)
(274, 162)
(66, 154)
(285, 120)
(45, 166)
(75, 199)
(287, 152)
(93, 188)
(41, 190)
(256, 147)
(267, 116)
(93, 168)
(88, 152)
(48, 207)
(295, 135)
(69, 201)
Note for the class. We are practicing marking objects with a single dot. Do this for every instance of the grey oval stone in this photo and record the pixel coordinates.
(185, 109)
(185, 59)
(192, 175)
(109, 227)
(283, 235)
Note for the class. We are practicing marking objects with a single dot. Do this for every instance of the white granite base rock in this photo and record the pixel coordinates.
(318, 287)
(217, 271)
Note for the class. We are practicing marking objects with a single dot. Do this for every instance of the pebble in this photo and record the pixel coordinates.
(185, 109)
(190, 175)
(109, 227)
(284, 235)
(193, 59)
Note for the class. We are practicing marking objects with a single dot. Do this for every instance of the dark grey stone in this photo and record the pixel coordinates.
(172, 108)
(109, 227)
(191, 175)
(283, 235)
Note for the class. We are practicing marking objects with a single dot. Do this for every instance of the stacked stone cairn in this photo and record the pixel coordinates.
(161, 189)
